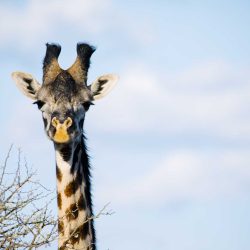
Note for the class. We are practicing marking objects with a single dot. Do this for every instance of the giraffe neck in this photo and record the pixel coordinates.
(75, 224)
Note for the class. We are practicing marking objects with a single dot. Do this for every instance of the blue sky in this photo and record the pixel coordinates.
(170, 145)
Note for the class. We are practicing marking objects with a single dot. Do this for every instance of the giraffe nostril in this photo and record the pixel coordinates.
(61, 123)
(68, 122)
(54, 122)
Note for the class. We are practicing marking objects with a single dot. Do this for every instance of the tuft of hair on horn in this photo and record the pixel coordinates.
(84, 52)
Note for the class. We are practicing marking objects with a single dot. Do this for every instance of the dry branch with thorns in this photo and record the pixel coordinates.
(24, 224)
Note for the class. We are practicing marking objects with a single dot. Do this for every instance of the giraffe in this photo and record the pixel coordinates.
(64, 98)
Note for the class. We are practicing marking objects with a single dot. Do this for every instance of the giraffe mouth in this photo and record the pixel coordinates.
(61, 136)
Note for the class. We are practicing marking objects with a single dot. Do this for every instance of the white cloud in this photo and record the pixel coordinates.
(208, 98)
(204, 76)
(37, 20)
(34, 21)
(187, 175)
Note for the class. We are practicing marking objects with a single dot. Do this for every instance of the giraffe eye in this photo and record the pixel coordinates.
(86, 105)
(39, 104)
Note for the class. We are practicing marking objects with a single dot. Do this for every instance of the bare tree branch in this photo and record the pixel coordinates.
(23, 224)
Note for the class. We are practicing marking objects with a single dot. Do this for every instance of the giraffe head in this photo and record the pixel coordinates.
(64, 97)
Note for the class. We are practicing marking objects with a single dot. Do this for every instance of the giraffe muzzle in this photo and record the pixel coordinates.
(61, 134)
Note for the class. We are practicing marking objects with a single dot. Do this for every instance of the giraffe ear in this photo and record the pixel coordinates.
(26, 83)
(103, 85)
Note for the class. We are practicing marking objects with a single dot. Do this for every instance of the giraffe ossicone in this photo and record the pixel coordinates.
(64, 98)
